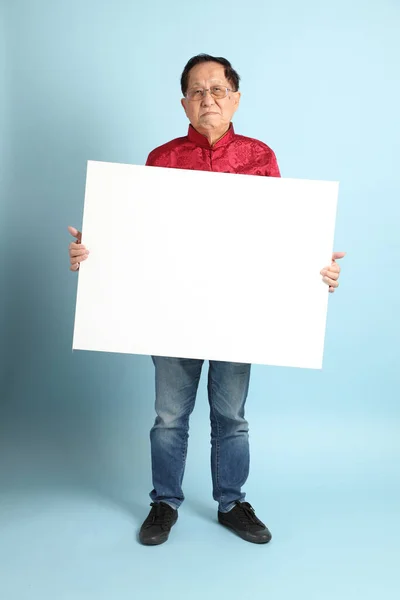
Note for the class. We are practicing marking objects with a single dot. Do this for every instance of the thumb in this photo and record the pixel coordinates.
(77, 234)
(337, 255)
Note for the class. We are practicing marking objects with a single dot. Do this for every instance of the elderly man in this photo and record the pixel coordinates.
(210, 88)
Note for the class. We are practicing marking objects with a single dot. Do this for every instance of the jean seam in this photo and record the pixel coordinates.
(184, 452)
(217, 449)
(186, 442)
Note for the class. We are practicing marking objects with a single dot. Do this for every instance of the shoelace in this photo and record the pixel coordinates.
(159, 515)
(248, 515)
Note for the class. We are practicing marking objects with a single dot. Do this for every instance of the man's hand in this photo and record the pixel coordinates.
(77, 252)
(330, 275)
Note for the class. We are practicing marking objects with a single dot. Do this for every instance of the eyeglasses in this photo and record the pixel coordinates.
(216, 91)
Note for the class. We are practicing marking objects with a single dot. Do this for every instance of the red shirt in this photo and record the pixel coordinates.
(231, 154)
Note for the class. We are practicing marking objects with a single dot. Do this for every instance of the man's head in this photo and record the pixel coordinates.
(210, 87)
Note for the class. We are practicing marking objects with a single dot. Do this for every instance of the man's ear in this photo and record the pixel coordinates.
(238, 95)
(183, 102)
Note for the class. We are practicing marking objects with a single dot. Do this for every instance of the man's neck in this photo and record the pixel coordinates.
(212, 135)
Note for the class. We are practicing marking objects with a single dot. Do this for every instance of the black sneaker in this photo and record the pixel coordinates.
(155, 530)
(243, 520)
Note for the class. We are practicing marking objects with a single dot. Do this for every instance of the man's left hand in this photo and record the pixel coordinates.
(330, 275)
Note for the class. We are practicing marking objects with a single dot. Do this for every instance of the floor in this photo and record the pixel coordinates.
(335, 534)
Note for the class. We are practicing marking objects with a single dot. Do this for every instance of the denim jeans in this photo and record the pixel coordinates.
(177, 381)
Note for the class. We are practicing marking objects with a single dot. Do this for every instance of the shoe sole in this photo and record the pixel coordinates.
(157, 542)
(246, 536)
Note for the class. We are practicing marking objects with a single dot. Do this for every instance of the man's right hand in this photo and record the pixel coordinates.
(77, 252)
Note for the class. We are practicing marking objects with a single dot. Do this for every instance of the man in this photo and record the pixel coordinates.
(210, 88)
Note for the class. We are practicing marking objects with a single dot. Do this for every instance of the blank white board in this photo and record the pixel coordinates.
(197, 264)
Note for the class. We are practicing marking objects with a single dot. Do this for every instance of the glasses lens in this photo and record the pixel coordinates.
(218, 91)
(195, 94)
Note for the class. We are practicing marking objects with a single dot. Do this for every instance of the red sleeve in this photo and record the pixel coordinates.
(273, 169)
(149, 161)
(159, 157)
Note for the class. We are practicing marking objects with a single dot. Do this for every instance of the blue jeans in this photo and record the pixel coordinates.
(177, 381)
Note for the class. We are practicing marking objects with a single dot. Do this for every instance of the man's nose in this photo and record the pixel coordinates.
(207, 100)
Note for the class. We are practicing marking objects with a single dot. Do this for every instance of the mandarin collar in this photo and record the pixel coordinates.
(200, 140)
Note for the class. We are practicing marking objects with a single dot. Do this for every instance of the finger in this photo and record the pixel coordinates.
(331, 274)
(77, 246)
(334, 267)
(74, 267)
(74, 232)
(77, 259)
(331, 290)
(330, 282)
(74, 252)
(338, 255)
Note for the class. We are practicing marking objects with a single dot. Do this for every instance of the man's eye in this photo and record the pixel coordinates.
(198, 92)
(217, 88)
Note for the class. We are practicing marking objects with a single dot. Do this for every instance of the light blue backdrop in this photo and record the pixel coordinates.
(99, 80)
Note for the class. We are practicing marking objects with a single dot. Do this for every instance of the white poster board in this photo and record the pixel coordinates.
(195, 264)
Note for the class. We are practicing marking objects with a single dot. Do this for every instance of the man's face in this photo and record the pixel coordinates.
(210, 113)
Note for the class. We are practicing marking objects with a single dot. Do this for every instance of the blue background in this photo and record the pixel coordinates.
(99, 80)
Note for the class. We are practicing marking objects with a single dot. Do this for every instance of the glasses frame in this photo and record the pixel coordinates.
(205, 90)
